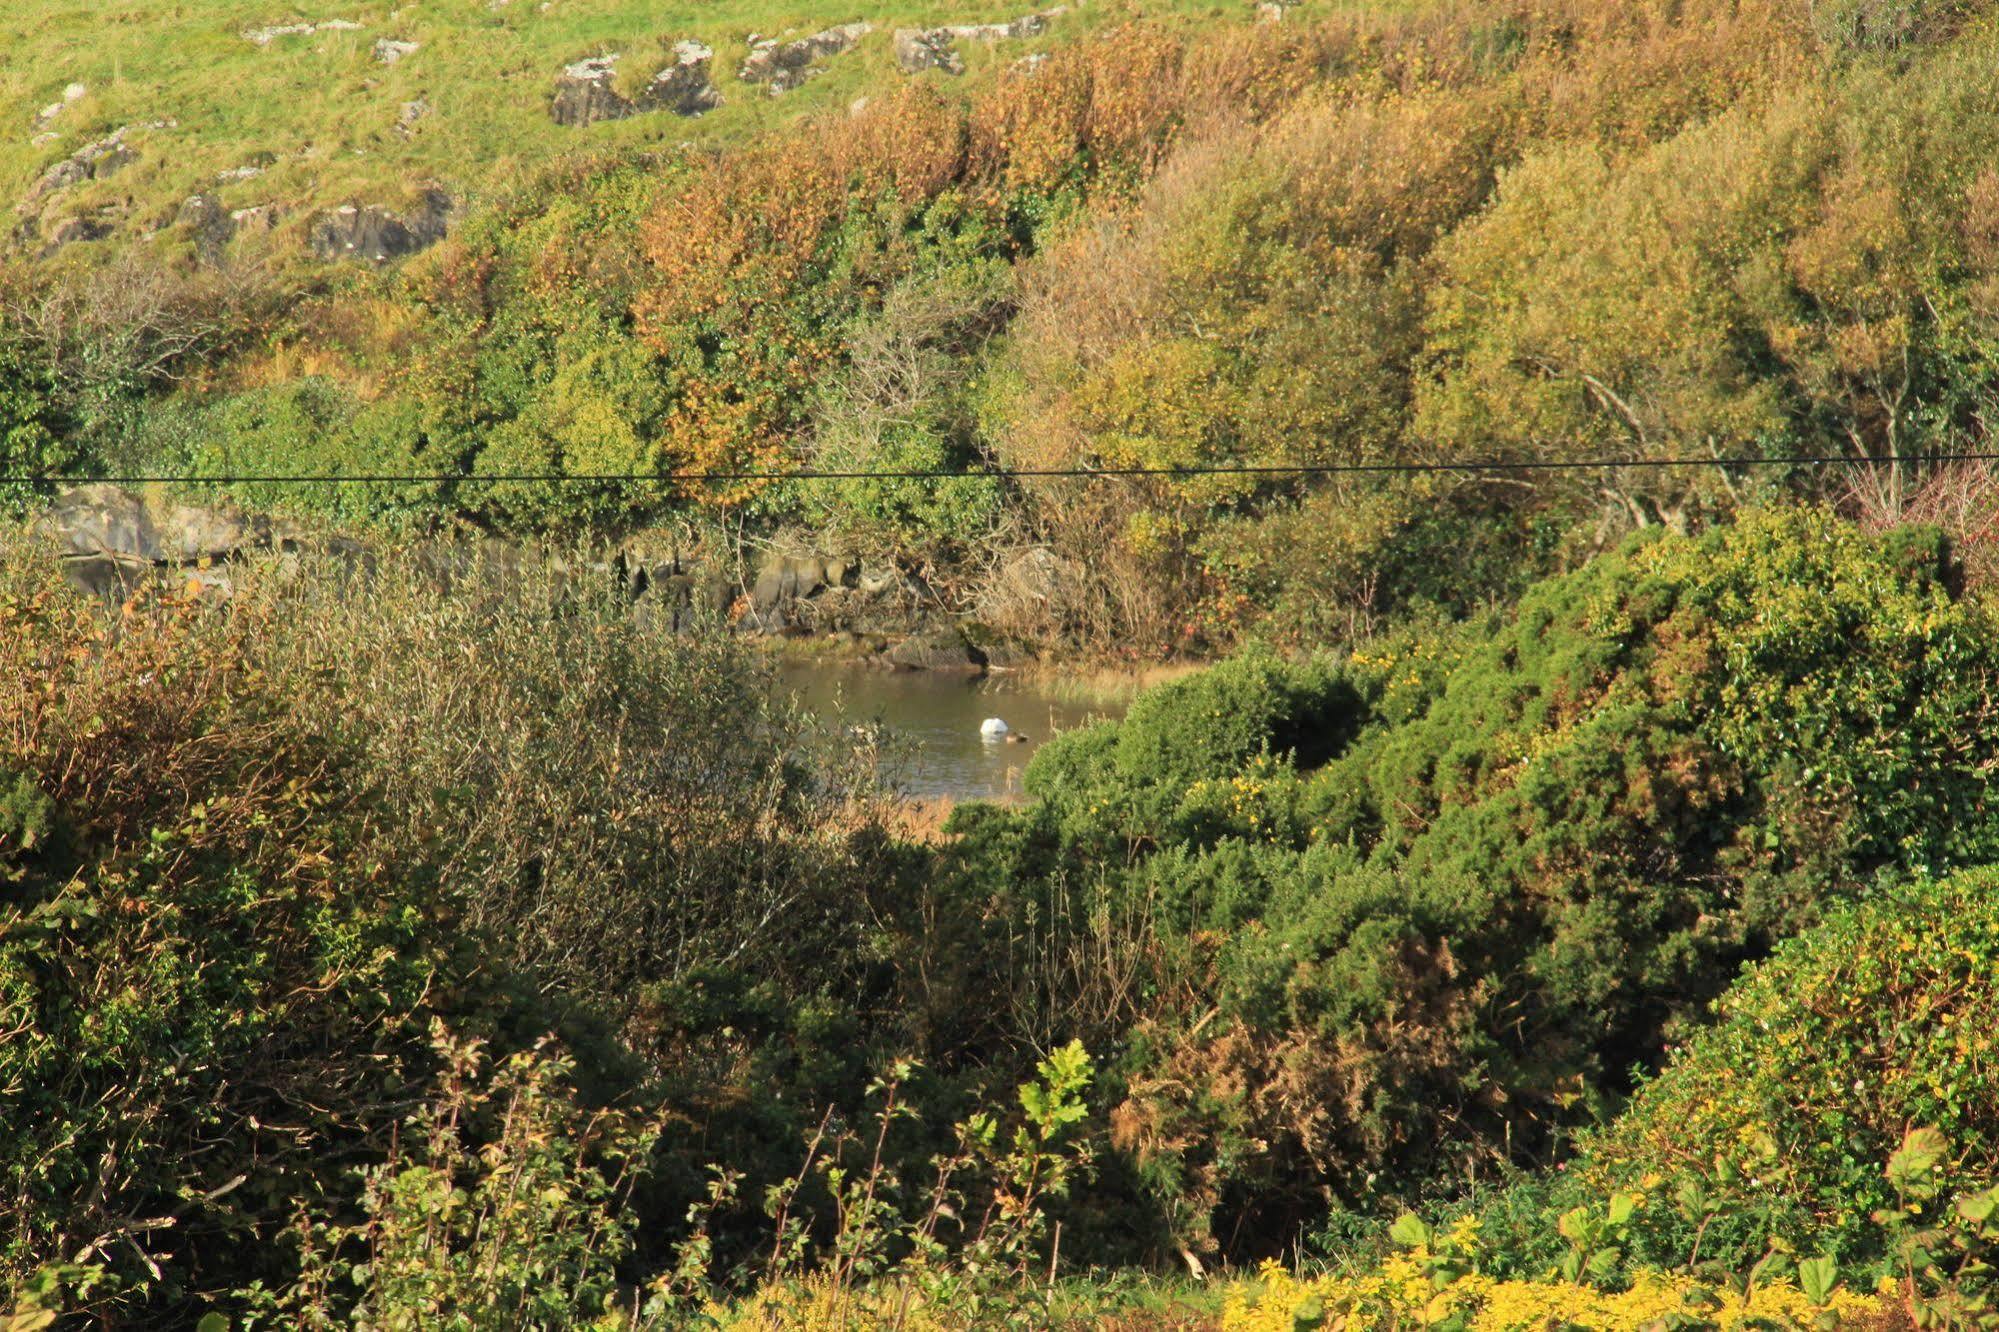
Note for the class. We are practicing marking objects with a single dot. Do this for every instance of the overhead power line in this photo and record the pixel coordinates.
(999, 474)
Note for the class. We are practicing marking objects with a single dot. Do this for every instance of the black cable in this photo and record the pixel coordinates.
(1002, 474)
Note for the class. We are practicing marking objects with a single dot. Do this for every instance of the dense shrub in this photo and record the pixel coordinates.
(30, 431)
(620, 807)
(1431, 916)
(903, 404)
(1649, 230)
(504, 1204)
(1430, 1285)
(1827, 1144)
(215, 990)
(1777, 1119)
(254, 849)
(1874, 25)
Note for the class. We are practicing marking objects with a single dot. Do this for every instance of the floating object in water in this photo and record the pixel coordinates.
(992, 728)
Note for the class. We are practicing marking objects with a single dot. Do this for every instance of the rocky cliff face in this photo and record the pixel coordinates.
(782, 66)
(375, 234)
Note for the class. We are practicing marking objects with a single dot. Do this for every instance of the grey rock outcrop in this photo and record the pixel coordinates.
(96, 525)
(111, 540)
(257, 220)
(1034, 578)
(374, 234)
(788, 577)
(266, 35)
(93, 161)
(389, 51)
(254, 165)
(782, 66)
(918, 49)
(208, 224)
(685, 87)
(940, 649)
(665, 585)
(71, 95)
(73, 229)
(586, 92)
(865, 604)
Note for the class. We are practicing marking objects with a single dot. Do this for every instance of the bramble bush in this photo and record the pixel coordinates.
(503, 1204)
(253, 847)
(214, 986)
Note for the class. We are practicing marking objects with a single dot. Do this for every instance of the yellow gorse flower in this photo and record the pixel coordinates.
(1399, 1294)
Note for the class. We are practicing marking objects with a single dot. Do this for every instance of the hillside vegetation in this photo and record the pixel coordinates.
(386, 957)
(1528, 231)
(1562, 898)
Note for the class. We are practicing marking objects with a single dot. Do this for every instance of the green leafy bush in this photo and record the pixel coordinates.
(505, 1204)
(1776, 1119)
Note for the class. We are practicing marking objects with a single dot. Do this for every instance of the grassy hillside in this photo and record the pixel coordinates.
(319, 113)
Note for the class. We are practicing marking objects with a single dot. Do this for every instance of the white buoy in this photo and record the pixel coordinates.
(992, 728)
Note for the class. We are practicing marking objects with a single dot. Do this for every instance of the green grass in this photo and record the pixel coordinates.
(327, 109)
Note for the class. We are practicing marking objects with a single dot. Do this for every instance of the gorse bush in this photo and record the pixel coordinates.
(1927, 1265)
(1421, 909)
(1405, 1292)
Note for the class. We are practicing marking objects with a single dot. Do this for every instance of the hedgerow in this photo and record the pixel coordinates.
(272, 860)
(213, 989)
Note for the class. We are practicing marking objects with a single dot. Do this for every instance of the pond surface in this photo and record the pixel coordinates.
(933, 719)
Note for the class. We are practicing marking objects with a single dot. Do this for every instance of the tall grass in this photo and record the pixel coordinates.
(609, 804)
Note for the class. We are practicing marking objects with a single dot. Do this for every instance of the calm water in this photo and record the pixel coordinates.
(934, 716)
